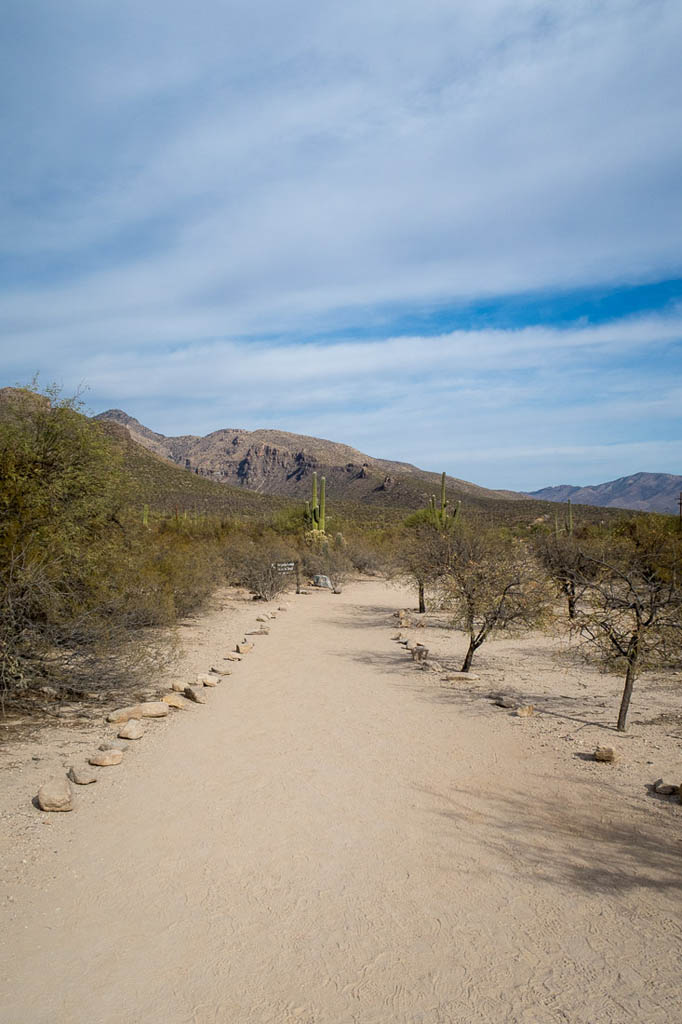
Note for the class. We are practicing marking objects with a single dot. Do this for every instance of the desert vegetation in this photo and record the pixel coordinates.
(102, 544)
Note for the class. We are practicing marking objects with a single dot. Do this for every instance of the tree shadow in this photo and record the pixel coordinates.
(570, 846)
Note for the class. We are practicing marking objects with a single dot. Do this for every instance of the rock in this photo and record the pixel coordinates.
(398, 636)
(210, 681)
(282, 608)
(82, 776)
(125, 714)
(244, 648)
(453, 677)
(525, 711)
(259, 632)
(175, 700)
(113, 745)
(663, 789)
(430, 666)
(503, 701)
(220, 671)
(194, 695)
(177, 688)
(233, 656)
(261, 618)
(105, 758)
(56, 795)
(606, 754)
(154, 709)
(132, 730)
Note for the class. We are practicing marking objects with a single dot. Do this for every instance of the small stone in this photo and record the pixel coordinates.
(194, 695)
(105, 758)
(56, 795)
(259, 632)
(178, 688)
(244, 648)
(132, 730)
(175, 700)
(210, 681)
(663, 789)
(606, 755)
(453, 677)
(154, 709)
(125, 714)
(282, 608)
(233, 656)
(502, 701)
(398, 636)
(82, 776)
(113, 745)
(525, 711)
(261, 618)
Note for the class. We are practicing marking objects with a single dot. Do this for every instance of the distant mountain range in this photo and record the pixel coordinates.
(275, 462)
(648, 492)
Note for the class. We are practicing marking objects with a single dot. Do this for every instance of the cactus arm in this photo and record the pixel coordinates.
(323, 488)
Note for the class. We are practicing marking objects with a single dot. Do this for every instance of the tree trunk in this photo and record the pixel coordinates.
(469, 656)
(627, 691)
(422, 602)
(570, 594)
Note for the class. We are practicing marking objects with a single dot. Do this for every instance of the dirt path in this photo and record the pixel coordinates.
(329, 842)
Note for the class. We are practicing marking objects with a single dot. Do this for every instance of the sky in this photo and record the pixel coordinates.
(444, 233)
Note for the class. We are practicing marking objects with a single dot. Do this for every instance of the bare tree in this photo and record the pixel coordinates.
(493, 584)
(630, 612)
(424, 555)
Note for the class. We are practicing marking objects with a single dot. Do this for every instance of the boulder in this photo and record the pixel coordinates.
(194, 695)
(606, 755)
(56, 795)
(175, 700)
(132, 730)
(105, 758)
(82, 776)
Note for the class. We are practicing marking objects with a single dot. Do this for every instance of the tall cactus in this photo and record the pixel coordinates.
(441, 517)
(315, 511)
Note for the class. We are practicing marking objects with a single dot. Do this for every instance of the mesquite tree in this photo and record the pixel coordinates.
(630, 612)
(493, 583)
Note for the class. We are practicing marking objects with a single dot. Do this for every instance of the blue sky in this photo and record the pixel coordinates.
(444, 233)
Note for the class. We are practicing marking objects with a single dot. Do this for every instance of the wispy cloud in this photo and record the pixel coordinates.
(193, 202)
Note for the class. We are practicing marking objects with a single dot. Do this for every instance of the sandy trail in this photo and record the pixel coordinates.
(329, 842)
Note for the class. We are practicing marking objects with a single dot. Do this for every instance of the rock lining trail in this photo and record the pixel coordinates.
(330, 839)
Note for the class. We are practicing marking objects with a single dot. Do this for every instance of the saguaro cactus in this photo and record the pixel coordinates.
(440, 516)
(315, 512)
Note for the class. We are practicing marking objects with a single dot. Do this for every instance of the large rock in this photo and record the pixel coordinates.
(154, 709)
(105, 758)
(175, 700)
(123, 715)
(194, 695)
(132, 730)
(56, 795)
(82, 776)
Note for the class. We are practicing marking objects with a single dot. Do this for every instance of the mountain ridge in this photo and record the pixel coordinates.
(644, 492)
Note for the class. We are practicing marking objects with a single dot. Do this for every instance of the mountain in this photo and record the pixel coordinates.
(277, 462)
(646, 492)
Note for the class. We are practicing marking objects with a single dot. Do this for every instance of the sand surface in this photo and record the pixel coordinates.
(338, 837)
